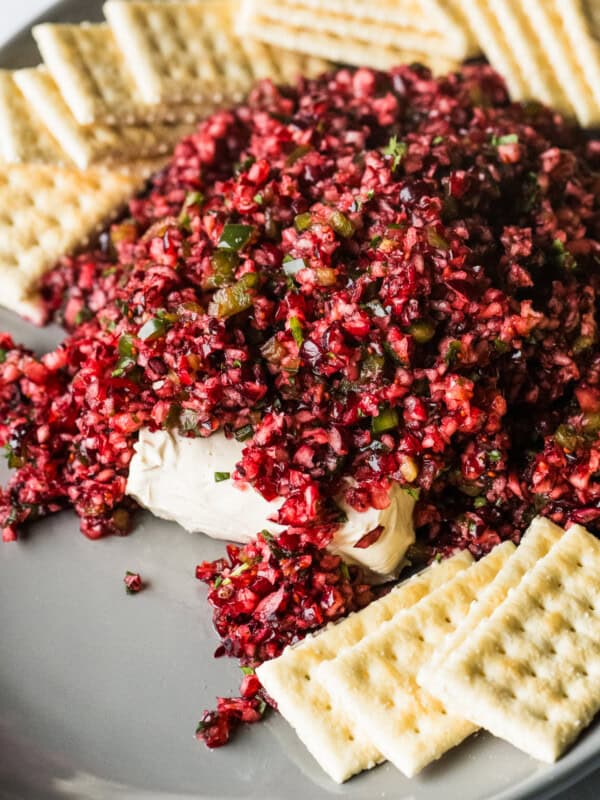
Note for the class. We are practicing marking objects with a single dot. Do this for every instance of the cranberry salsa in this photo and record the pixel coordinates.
(375, 276)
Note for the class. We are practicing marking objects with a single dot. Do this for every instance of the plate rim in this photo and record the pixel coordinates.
(560, 776)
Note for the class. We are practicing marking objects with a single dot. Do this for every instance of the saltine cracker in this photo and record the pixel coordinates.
(23, 136)
(530, 674)
(93, 77)
(326, 45)
(537, 541)
(94, 144)
(320, 722)
(375, 680)
(187, 52)
(45, 213)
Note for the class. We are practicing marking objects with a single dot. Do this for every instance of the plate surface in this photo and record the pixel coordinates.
(100, 692)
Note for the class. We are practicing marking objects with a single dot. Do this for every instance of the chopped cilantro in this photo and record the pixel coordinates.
(509, 138)
(396, 150)
(296, 329)
(236, 236)
(453, 352)
(222, 476)
(244, 433)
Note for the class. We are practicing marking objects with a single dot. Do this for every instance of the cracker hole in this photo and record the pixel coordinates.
(350, 737)
(306, 677)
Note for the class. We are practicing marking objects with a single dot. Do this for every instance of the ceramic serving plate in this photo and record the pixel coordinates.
(100, 692)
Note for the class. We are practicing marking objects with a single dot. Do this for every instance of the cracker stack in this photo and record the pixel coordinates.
(546, 50)
(322, 723)
(106, 110)
(510, 644)
(363, 33)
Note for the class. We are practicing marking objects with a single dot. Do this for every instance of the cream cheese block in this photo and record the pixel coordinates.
(174, 477)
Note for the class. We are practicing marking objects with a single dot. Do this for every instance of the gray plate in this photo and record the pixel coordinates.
(100, 692)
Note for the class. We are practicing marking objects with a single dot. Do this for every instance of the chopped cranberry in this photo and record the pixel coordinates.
(133, 582)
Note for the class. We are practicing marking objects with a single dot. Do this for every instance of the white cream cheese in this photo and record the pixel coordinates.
(174, 478)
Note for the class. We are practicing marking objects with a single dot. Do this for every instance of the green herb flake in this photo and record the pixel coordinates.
(562, 256)
(193, 199)
(435, 239)
(296, 329)
(2, 355)
(124, 364)
(224, 264)
(387, 420)
(154, 328)
(244, 433)
(243, 166)
(509, 138)
(437, 140)
(248, 670)
(297, 153)
(422, 330)
(218, 581)
(494, 456)
(234, 299)
(302, 222)
(126, 345)
(240, 569)
(413, 491)
(83, 315)
(222, 476)
(396, 150)
(453, 352)
(479, 502)
(345, 571)
(342, 225)
(14, 459)
(258, 199)
(235, 236)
